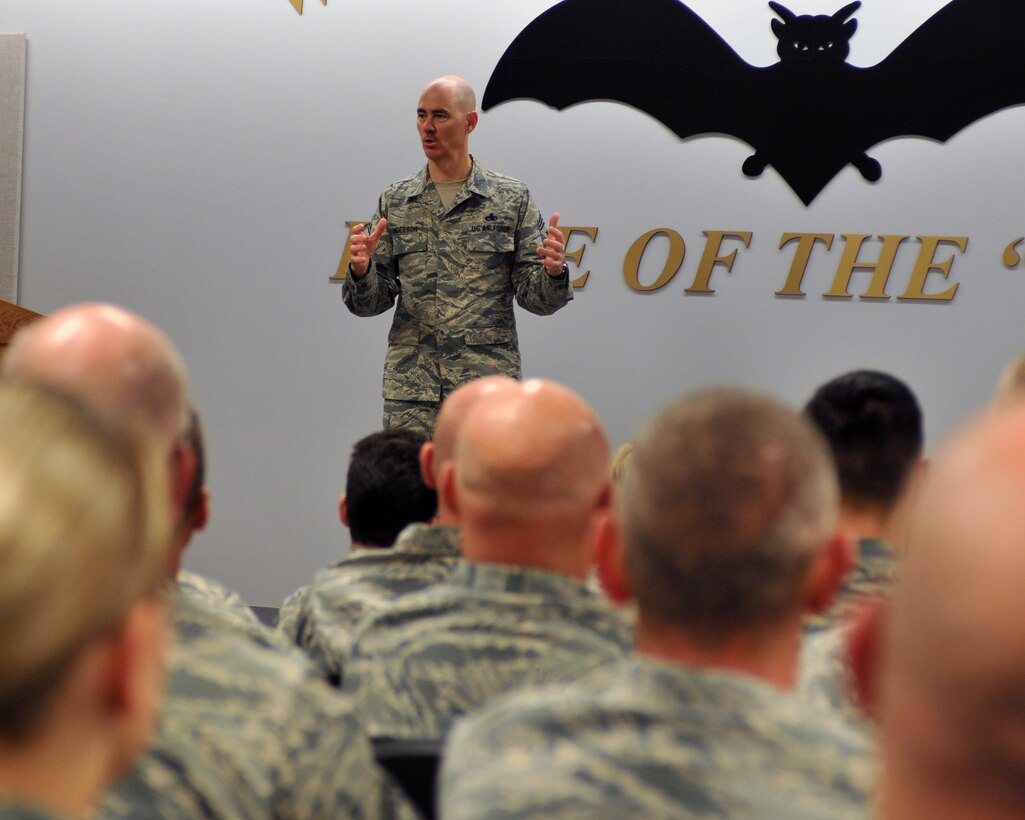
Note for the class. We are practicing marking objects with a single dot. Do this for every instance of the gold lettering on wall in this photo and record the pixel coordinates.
(578, 255)
(711, 257)
(343, 263)
(1011, 256)
(632, 263)
(805, 245)
(880, 269)
(927, 263)
(298, 6)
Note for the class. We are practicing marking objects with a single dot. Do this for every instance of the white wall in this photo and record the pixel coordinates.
(196, 161)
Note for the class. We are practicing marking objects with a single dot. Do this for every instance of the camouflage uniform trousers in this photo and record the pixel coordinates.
(418, 416)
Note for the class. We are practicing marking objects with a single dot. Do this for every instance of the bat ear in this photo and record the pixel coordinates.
(787, 15)
(847, 11)
(849, 28)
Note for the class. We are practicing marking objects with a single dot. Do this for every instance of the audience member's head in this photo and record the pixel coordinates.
(530, 472)
(122, 366)
(384, 491)
(873, 424)
(953, 664)
(727, 519)
(451, 415)
(84, 532)
(1012, 381)
(110, 358)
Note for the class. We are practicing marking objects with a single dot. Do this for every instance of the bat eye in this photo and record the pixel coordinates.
(829, 45)
(797, 46)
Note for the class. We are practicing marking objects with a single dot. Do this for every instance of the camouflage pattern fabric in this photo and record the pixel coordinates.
(656, 740)
(824, 678)
(219, 607)
(873, 575)
(15, 811)
(418, 416)
(249, 733)
(454, 273)
(489, 628)
(321, 618)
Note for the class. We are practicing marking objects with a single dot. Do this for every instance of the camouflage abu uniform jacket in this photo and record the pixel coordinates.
(454, 274)
(248, 732)
(320, 618)
(653, 739)
(873, 575)
(487, 629)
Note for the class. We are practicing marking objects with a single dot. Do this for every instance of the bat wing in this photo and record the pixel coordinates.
(655, 55)
(965, 62)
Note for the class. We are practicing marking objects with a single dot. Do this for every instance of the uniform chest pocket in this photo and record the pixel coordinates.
(489, 243)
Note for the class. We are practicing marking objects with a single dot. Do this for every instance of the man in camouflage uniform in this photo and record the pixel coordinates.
(873, 424)
(453, 245)
(246, 729)
(726, 534)
(384, 492)
(529, 479)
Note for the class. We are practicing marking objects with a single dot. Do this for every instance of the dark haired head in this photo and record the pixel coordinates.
(384, 489)
(873, 424)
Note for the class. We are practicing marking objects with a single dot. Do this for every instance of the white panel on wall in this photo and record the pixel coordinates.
(197, 161)
(12, 119)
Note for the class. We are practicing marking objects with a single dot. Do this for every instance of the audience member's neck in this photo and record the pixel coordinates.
(54, 774)
(868, 522)
(451, 170)
(768, 656)
(445, 517)
(531, 547)
(359, 546)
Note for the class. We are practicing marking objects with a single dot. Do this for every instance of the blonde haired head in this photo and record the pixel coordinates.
(84, 534)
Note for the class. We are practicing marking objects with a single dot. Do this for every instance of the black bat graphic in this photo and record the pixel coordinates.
(808, 115)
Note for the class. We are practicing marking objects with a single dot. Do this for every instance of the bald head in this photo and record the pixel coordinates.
(110, 358)
(534, 451)
(460, 90)
(456, 407)
(954, 658)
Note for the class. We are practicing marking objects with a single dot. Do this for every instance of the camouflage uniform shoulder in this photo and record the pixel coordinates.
(21, 811)
(444, 652)
(196, 619)
(873, 575)
(409, 186)
(495, 184)
(249, 733)
(214, 593)
(656, 740)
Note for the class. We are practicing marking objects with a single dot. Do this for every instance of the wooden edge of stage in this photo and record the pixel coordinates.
(12, 318)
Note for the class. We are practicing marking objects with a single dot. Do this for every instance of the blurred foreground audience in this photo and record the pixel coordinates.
(950, 682)
(727, 538)
(245, 730)
(528, 481)
(84, 536)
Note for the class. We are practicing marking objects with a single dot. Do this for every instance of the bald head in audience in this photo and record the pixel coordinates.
(442, 446)
(122, 366)
(953, 667)
(530, 470)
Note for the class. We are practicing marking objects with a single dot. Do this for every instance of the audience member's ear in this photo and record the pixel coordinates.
(183, 476)
(827, 572)
(448, 492)
(864, 654)
(343, 510)
(427, 464)
(607, 557)
(201, 512)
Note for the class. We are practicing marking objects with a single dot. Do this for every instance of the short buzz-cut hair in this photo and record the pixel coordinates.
(873, 424)
(726, 500)
(384, 488)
